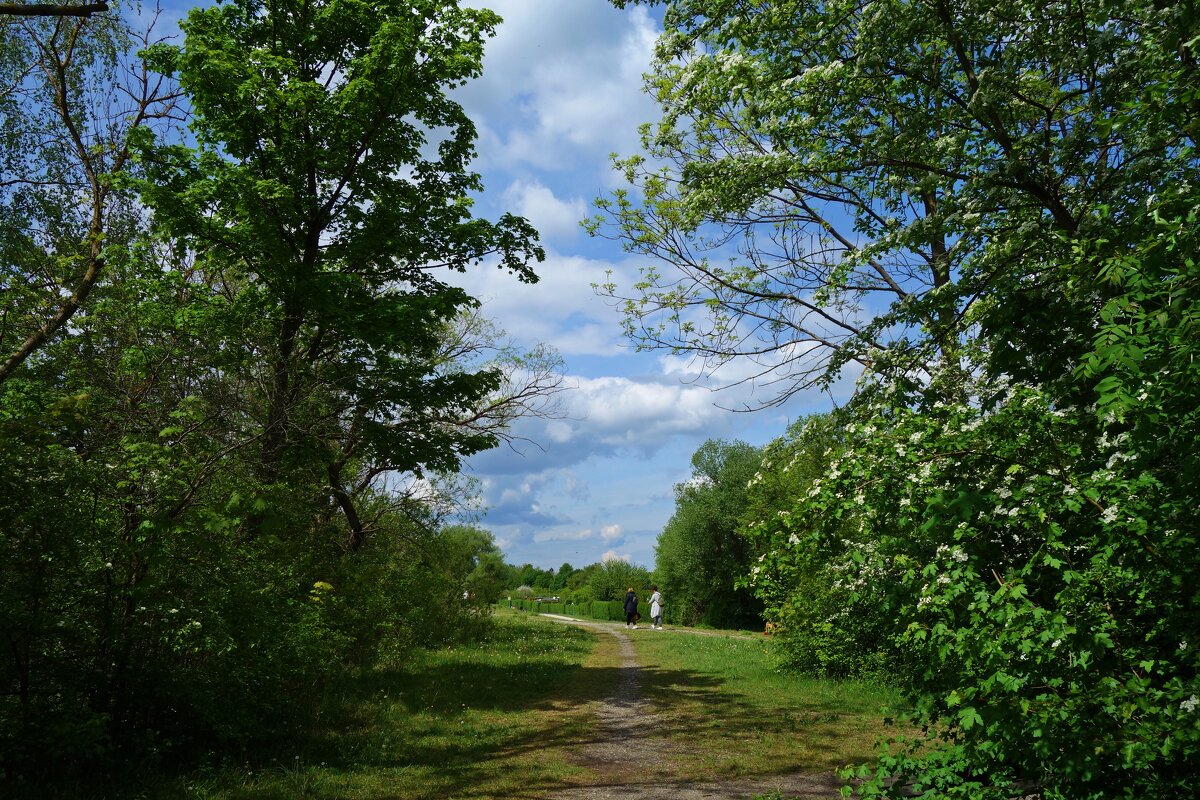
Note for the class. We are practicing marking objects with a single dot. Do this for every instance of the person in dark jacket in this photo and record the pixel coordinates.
(631, 601)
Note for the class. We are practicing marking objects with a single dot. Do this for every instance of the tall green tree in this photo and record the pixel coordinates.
(700, 557)
(990, 208)
(200, 511)
(328, 188)
(613, 577)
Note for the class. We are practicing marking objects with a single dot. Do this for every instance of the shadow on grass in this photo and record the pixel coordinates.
(458, 691)
(712, 709)
(453, 726)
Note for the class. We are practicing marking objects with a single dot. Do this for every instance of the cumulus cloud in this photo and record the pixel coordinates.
(560, 310)
(560, 78)
(626, 412)
(609, 416)
(561, 89)
(522, 512)
(553, 218)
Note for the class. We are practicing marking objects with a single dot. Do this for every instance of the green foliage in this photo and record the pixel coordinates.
(825, 621)
(614, 578)
(991, 208)
(608, 610)
(70, 109)
(607, 580)
(699, 556)
(329, 184)
(209, 498)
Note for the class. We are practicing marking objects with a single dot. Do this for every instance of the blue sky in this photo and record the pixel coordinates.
(561, 90)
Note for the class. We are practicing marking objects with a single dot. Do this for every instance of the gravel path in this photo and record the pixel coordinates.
(630, 761)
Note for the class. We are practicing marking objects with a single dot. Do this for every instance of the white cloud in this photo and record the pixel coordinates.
(560, 79)
(604, 417)
(553, 218)
(613, 555)
(610, 532)
(561, 309)
(621, 411)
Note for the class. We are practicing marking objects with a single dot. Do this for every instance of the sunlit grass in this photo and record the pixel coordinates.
(730, 713)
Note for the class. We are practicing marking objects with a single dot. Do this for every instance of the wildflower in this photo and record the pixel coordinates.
(1190, 704)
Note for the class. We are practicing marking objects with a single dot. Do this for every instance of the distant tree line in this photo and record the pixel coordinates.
(602, 580)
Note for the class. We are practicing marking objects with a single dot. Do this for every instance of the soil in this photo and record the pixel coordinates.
(628, 760)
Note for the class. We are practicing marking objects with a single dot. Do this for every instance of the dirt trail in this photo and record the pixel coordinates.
(631, 761)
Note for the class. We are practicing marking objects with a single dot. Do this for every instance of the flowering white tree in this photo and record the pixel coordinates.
(992, 208)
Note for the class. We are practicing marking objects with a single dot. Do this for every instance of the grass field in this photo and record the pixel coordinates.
(731, 714)
(499, 718)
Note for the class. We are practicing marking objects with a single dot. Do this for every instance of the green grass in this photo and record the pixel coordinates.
(468, 721)
(508, 716)
(730, 713)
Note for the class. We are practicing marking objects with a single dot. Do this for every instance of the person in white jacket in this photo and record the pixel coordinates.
(656, 608)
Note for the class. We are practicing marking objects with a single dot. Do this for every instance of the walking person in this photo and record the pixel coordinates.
(656, 608)
(631, 615)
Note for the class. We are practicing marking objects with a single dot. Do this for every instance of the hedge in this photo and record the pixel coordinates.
(609, 610)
